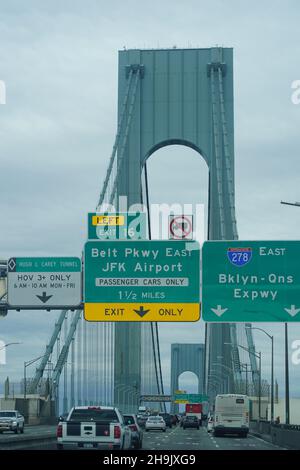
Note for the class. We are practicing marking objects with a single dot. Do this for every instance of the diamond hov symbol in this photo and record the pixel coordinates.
(141, 312)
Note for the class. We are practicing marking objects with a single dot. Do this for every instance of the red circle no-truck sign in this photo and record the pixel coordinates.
(181, 227)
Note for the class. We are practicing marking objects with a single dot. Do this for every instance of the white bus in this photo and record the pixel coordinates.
(231, 415)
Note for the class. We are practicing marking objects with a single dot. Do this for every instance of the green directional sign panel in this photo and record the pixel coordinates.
(142, 280)
(189, 398)
(251, 281)
(117, 226)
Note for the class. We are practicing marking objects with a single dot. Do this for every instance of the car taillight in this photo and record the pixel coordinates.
(117, 432)
(133, 427)
(59, 431)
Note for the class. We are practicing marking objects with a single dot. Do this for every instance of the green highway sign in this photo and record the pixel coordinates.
(44, 282)
(142, 280)
(117, 226)
(189, 398)
(251, 281)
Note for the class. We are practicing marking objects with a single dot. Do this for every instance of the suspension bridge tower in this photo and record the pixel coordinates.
(166, 97)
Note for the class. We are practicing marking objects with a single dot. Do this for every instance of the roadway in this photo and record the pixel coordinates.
(33, 437)
(192, 439)
(173, 439)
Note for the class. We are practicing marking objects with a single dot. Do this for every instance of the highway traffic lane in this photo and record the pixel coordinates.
(29, 431)
(33, 436)
(188, 439)
(178, 439)
(193, 439)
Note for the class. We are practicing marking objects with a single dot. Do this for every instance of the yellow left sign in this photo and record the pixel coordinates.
(137, 312)
(111, 220)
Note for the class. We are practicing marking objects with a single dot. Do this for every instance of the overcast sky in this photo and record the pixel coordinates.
(58, 60)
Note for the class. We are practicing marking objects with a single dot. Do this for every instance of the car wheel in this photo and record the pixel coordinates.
(59, 446)
(22, 430)
(146, 430)
(164, 430)
(16, 430)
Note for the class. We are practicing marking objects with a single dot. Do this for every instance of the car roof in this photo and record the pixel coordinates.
(94, 407)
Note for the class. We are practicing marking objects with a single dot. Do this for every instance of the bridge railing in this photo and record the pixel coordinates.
(282, 435)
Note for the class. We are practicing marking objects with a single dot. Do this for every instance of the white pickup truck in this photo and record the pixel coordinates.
(11, 421)
(94, 427)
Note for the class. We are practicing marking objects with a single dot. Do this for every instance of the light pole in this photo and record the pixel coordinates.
(26, 364)
(8, 344)
(286, 348)
(257, 355)
(272, 366)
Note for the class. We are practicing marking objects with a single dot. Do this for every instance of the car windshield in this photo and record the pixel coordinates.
(94, 414)
(7, 414)
(155, 418)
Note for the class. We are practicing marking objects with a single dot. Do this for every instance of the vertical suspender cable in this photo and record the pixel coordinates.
(96, 362)
(105, 362)
(79, 361)
(84, 363)
(65, 399)
(72, 385)
(160, 386)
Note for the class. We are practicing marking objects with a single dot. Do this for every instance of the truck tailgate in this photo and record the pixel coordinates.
(88, 431)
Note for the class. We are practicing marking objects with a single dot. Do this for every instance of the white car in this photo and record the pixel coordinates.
(210, 424)
(155, 423)
(11, 420)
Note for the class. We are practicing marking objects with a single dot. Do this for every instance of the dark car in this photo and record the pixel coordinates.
(174, 420)
(167, 418)
(182, 418)
(136, 432)
(141, 419)
(190, 422)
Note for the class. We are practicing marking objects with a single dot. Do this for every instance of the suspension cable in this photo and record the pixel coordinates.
(116, 143)
(124, 142)
(227, 157)
(217, 152)
(160, 385)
